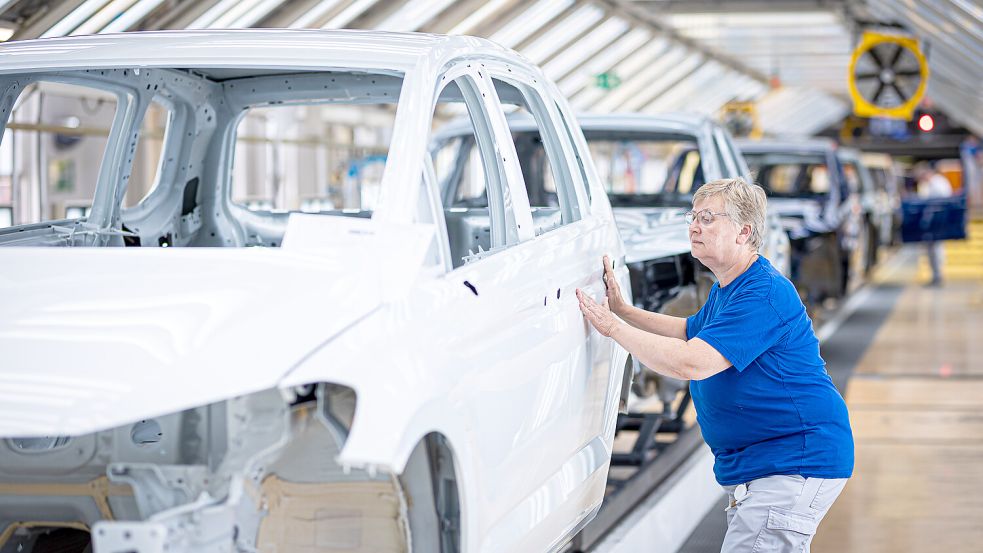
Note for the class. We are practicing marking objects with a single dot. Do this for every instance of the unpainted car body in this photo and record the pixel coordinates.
(806, 185)
(702, 151)
(169, 389)
(885, 174)
(875, 207)
(718, 157)
(664, 276)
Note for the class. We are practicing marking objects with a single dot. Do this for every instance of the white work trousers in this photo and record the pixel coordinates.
(777, 513)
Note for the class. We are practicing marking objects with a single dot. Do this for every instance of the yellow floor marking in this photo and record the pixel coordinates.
(915, 407)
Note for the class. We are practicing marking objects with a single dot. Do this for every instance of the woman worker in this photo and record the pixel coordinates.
(778, 428)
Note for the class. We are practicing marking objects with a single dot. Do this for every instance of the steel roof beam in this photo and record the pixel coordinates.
(656, 80)
(632, 12)
(300, 14)
(607, 62)
(131, 17)
(374, 14)
(416, 15)
(554, 22)
(491, 18)
(938, 26)
(455, 15)
(255, 15)
(930, 29)
(589, 95)
(554, 42)
(181, 15)
(45, 19)
(586, 47)
(716, 97)
(603, 60)
(733, 6)
(678, 93)
(95, 22)
(353, 11)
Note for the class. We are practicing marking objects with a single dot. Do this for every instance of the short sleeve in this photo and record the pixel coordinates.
(695, 322)
(744, 328)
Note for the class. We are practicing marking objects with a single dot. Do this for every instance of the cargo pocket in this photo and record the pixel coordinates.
(785, 531)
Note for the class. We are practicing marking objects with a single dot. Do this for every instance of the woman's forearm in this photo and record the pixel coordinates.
(656, 323)
(665, 355)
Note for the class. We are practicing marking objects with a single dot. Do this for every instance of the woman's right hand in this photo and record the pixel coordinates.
(616, 302)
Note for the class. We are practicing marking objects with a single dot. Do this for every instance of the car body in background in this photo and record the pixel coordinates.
(652, 166)
(887, 193)
(806, 185)
(212, 372)
(875, 208)
(654, 162)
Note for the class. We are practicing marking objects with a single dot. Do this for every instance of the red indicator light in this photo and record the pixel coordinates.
(926, 123)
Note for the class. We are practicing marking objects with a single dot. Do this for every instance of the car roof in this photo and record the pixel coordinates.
(664, 122)
(788, 145)
(681, 123)
(297, 49)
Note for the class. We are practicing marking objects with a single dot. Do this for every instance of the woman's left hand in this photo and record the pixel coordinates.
(598, 314)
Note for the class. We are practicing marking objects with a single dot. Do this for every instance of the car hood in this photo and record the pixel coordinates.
(93, 338)
(652, 232)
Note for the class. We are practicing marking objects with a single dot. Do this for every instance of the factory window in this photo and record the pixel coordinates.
(312, 158)
(52, 152)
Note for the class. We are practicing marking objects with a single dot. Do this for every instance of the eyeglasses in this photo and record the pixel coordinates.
(704, 216)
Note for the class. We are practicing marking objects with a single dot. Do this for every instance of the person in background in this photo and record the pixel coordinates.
(778, 428)
(971, 155)
(932, 184)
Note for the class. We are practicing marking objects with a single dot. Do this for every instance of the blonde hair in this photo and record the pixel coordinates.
(746, 204)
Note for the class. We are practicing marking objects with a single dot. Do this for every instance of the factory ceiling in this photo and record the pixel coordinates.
(791, 57)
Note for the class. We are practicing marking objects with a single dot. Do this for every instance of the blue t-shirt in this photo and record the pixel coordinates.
(775, 410)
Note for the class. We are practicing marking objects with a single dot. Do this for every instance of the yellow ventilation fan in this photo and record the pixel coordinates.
(888, 74)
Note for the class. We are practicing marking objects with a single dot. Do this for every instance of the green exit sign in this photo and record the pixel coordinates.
(607, 81)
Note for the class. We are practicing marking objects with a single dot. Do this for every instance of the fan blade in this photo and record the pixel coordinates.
(877, 58)
(901, 94)
(898, 50)
(877, 94)
(860, 76)
(908, 73)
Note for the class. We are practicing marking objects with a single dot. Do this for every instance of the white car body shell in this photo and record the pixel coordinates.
(719, 157)
(525, 391)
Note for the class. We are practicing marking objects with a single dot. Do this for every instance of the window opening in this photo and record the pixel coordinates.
(548, 177)
(148, 159)
(790, 174)
(470, 176)
(634, 168)
(52, 152)
(312, 158)
(578, 153)
(470, 189)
